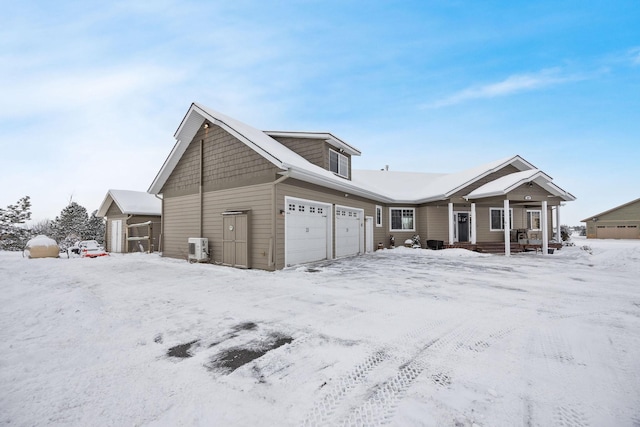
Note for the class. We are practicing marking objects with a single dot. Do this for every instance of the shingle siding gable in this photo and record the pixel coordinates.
(225, 160)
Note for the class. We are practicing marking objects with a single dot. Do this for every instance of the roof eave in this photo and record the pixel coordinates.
(348, 188)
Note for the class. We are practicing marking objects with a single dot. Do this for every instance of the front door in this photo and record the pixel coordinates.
(116, 236)
(462, 218)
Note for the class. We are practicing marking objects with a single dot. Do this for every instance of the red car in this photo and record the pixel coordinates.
(87, 249)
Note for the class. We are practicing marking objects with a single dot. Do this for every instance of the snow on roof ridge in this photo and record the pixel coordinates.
(131, 202)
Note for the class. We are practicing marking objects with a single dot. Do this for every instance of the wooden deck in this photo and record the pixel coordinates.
(498, 247)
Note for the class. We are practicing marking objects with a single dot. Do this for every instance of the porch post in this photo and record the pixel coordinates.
(559, 235)
(545, 228)
(451, 224)
(507, 229)
(473, 224)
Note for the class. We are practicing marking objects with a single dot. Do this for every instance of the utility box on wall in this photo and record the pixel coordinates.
(198, 249)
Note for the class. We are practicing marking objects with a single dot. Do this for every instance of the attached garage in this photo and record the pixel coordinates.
(349, 231)
(307, 231)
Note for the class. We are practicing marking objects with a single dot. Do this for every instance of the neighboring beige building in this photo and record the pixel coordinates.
(271, 199)
(622, 222)
(134, 221)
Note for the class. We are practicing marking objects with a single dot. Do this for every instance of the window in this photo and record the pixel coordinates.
(533, 220)
(378, 216)
(497, 218)
(338, 163)
(402, 219)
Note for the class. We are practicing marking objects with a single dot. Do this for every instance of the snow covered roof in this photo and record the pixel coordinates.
(326, 136)
(415, 187)
(131, 203)
(507, 183)
(382, 186)
(282, 157)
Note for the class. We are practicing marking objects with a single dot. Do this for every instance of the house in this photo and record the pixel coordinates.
(622, 222)
(133, 221)
(271, 199)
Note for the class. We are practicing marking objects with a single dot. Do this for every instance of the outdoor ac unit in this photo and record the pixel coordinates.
(198, 249)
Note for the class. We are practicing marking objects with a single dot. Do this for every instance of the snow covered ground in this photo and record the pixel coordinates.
(398, 337)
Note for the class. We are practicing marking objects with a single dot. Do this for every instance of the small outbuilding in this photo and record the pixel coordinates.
(133, 221)
(622, 222)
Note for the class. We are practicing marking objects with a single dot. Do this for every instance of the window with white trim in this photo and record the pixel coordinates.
(338, 163)
(402, 219)
(533, 219)
(496, 218)
(378, 216)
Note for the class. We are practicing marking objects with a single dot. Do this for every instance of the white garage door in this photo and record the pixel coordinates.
(306, 231)
(349, 231)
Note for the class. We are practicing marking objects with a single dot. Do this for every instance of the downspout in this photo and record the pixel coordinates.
(200, 191)
(201, 173)
(272, 240)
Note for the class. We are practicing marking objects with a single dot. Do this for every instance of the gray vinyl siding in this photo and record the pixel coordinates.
(302, 190)
(316, 151)
(185, 176)
(437, 223)
(227, 163)
(311, 149)
(259, 201)
(181, 221)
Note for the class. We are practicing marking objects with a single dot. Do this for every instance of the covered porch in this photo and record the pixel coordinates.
(516, 213)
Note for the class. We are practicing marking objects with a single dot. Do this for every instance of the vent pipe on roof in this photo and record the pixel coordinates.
(386, 167)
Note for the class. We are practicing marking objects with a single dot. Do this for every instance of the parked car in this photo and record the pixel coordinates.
(87, 249)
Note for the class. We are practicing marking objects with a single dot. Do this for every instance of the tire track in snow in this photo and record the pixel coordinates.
(381, 402)
(556, 354)
(380, 407)
(326, 407)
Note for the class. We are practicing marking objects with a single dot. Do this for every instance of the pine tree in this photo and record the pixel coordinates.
(70, 226)
(95, 228)
(14, 236)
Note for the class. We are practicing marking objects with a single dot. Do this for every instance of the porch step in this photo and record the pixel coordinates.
(497, 247)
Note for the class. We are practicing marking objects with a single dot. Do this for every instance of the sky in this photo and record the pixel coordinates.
(91, 93)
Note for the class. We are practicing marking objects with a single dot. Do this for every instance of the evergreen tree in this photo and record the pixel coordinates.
(95, 228)
(14, 236)
(70, 226)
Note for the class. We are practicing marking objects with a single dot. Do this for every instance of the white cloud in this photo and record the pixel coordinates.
(41, 93)
(634, 55)
(511, 85)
